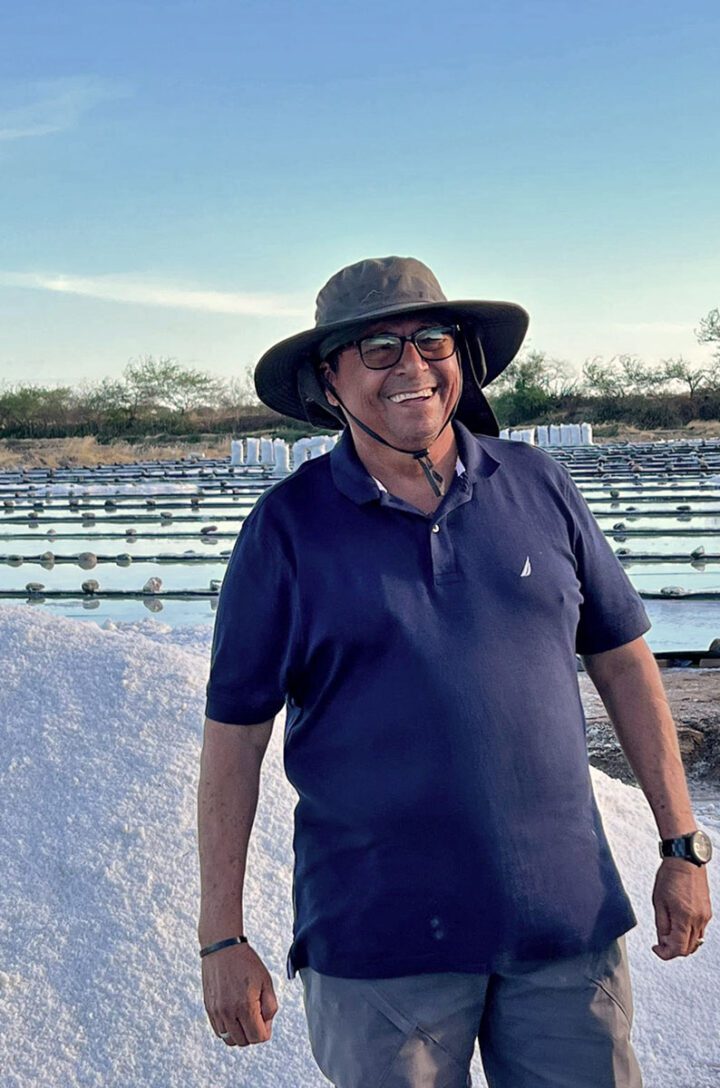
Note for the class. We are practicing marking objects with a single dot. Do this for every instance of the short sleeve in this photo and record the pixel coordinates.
(254, 633)
(612, 612)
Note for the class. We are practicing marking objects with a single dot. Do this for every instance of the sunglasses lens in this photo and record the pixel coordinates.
(435, 343)
(379, 352)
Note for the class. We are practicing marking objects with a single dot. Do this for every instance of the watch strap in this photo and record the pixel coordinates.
(684, 847)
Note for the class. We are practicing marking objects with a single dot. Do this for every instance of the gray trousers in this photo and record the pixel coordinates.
(560, 1024)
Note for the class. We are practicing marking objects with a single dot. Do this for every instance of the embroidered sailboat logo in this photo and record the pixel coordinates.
(527, 569)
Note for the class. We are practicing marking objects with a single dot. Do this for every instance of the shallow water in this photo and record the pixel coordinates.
(677, 623)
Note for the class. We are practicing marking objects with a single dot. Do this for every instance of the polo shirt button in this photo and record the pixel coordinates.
(436, 528)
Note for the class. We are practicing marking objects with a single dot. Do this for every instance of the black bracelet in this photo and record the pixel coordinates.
(221, 944)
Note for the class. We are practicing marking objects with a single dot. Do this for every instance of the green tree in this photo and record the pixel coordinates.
(680, 370)
(709, 331)
(156, 384)
(621, 376)
(105, 406)
(34, 409)
(529, 387)
(238, 398)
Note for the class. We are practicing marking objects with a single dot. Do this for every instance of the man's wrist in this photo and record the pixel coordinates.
(218, 924)
(218, 946)
(694, 847)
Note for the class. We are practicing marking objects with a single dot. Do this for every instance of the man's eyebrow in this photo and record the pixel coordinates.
(428, 324)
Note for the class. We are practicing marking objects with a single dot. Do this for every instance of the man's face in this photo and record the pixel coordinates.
(376, 396)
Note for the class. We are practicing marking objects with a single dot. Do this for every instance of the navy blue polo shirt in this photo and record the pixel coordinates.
(434, 733)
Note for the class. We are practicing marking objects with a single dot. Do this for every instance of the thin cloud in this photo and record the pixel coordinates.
(148, 293)
(50, 106)
(669, 328)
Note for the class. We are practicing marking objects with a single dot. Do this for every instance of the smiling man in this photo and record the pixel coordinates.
(416, 600)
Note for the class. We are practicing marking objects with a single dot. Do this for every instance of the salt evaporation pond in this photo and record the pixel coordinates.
(175, 522)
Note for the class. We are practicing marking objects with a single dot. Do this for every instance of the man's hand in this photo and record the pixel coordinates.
(682, 908)
(239, 996)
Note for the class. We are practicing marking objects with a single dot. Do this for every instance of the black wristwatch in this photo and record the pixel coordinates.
(695, 847)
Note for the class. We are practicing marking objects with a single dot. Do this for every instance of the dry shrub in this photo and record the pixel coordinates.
(87, 452)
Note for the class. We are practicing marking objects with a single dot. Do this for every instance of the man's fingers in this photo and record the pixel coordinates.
(255, 1028)
(663, 926)
(268, 1003)
(232, 1034)
(250, 1017)
(680, 941)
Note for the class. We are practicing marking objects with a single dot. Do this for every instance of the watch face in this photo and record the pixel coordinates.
(701, 846)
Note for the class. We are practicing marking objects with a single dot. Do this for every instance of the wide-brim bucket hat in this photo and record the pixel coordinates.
(286, 377)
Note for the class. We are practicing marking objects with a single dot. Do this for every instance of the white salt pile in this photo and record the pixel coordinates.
(99, 973)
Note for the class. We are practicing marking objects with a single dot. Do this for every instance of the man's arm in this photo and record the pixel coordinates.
(238, 990)
(629, 683)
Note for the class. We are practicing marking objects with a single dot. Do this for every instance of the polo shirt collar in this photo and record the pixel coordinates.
(354, 481)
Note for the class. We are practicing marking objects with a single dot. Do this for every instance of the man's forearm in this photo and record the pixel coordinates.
(227, 800)
(629, 683)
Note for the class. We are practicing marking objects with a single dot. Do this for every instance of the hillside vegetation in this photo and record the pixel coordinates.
(162, 398)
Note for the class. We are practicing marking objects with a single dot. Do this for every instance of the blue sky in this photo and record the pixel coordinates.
(180, 177)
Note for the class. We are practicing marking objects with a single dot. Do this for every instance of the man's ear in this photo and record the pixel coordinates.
(326, 380)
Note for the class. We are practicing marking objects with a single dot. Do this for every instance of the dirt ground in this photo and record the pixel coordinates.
(694, 697)
(621, 432)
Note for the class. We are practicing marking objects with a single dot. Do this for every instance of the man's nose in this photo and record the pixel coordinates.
(411, 358)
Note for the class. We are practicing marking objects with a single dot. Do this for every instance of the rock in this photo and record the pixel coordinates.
(15, 560)
(690, 741)
(673, 591)
(124, 560)
(205, 529)
(698, 552)
(34, 587)
(87, 560)
(153, 585)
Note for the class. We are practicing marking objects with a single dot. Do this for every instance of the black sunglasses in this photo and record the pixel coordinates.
(382, 350)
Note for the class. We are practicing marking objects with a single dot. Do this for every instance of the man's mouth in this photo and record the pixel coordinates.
(413, 394)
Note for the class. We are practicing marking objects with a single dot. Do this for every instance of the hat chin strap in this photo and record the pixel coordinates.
(433, 477)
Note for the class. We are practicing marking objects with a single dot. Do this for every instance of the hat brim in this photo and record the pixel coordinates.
(499, 326)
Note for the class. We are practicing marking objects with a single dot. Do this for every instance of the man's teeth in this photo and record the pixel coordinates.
(424, 393)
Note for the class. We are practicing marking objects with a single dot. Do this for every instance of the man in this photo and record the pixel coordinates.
(416, 599)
